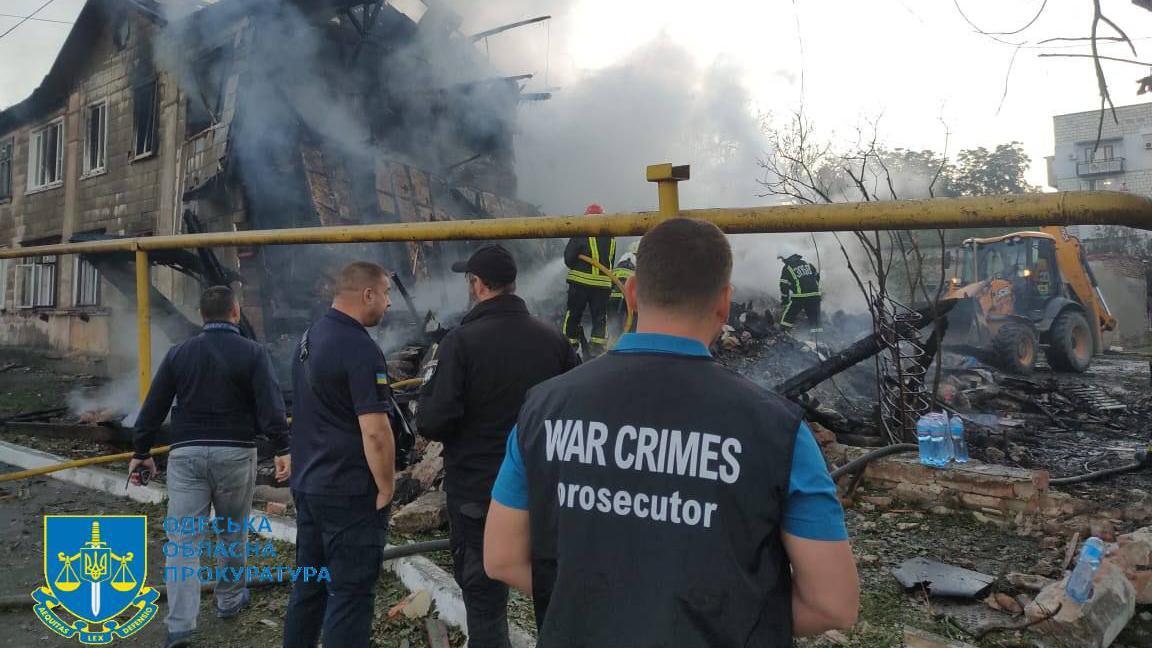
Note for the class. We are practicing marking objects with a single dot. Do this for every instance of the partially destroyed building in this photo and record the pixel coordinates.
(242, 114)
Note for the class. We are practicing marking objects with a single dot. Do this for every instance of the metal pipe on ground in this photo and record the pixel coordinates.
(75, 463)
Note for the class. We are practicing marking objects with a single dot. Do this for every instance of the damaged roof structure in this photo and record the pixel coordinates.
(168, 117)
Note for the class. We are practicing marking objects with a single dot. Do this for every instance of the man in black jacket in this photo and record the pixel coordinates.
(226, 393)
(469, 401)
(589, 286)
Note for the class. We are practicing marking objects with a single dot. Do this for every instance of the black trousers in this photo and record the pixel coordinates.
(485, 600)
(596, 301)
(809, 306)
(347, 535)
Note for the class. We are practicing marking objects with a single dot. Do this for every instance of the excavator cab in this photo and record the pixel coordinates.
(1026, 292)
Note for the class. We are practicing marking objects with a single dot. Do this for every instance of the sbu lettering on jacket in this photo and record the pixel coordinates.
(637, 448)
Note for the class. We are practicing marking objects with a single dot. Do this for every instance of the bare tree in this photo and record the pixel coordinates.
(805, 168)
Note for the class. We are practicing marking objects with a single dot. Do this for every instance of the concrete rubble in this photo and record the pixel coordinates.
(427, 513)
(1094, 624)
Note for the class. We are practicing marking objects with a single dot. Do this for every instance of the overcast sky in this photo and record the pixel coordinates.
(913, 62)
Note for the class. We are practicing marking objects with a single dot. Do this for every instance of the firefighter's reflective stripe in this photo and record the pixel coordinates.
(622, 275)
(594, 277)
(796, 290)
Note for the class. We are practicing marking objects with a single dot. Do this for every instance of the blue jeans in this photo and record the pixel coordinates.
(203, 478)
(347, 535)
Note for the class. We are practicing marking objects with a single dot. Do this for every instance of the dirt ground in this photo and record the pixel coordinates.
(881, 539)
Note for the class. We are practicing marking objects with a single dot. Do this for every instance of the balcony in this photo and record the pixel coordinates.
(1110, 166)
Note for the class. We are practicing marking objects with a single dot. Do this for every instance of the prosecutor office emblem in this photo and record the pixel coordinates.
(95, 568)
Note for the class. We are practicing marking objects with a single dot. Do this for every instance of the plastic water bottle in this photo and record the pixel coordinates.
(1079, 587)
(941, 443)
(959, 443)
(924, 438)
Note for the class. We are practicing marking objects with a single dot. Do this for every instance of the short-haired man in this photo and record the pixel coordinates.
(683, 506)
(226, 393)
(345, 463)
(469, 402)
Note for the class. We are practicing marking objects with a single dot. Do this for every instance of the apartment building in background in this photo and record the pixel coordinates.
(1116, 157)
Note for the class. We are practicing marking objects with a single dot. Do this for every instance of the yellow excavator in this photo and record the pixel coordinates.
(1020, 293)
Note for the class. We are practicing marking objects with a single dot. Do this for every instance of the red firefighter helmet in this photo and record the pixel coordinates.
(593, 209)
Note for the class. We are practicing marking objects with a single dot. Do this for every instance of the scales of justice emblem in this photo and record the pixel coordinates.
(95, 568)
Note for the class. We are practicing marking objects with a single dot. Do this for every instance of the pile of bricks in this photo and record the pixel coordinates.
(990, 489)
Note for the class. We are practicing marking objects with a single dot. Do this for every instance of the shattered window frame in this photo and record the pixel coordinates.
(41, 174)
(85, 284)
(7, 151)
(96, 152)
(145, 109)
(36, 281)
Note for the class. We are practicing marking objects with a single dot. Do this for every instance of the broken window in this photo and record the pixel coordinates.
(36, 282)
(5, 169)
(206, 100)
(46, 156)
(144, 118)
(95, 138)
(87, 284)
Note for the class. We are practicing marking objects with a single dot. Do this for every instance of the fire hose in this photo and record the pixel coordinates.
(619, 286)
(1143, 460)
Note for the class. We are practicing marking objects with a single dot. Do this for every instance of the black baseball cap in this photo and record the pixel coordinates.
(492, 263)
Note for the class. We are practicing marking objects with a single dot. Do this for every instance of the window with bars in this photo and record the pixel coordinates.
(144, 118)
(86, 287)
(95, 137)
(36, 282)
(6, 147)
(46, 156)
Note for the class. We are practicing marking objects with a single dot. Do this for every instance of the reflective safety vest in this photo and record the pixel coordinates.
(587, 274)
(799, 279)
(623, 271)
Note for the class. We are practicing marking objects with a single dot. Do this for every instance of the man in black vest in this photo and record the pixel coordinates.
(469, 401)
(682, 506)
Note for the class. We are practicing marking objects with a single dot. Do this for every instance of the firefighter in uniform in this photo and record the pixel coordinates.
(588, 286)
(682, 506)
(617, 308)
(799, 292)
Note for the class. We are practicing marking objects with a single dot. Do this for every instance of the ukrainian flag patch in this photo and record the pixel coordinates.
(381, 378)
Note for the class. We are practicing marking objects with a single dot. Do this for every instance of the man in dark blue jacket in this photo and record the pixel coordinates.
(226, 393)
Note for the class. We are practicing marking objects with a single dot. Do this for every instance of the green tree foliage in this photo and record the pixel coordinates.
(980, 172)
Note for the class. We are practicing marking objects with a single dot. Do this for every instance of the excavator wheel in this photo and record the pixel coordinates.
(1070, 342)
(1015, 347)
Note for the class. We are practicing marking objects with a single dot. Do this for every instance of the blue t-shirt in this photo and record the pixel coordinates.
(812, 511)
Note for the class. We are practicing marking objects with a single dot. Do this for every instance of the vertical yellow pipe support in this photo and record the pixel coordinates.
(143, 323)
(667, 178)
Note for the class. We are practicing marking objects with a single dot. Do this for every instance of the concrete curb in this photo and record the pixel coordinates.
(415, 572)
(100, 479)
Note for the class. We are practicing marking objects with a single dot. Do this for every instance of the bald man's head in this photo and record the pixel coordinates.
(362, 292)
